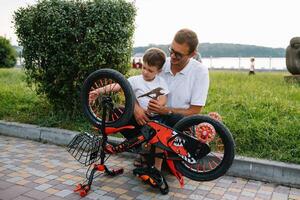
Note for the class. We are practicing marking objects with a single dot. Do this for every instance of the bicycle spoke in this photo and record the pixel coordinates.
(118, 99)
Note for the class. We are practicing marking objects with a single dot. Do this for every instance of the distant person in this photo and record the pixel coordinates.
(133, 63)
(252, 69)
(139, 64)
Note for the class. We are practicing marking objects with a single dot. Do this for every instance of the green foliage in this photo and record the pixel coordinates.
(18, 102)
(226, 50)
(65, 40)
(8, 55)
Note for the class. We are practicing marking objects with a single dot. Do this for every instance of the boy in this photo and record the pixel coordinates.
(153, 61)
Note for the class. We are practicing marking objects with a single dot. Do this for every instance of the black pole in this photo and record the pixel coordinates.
(104, 135)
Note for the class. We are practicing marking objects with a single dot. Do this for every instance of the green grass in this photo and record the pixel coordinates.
(18, 102)
(262, 111)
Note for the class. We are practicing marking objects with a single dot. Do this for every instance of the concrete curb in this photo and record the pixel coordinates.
(257, 169)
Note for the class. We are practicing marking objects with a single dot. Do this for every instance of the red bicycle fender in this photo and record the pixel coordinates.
(111, 130)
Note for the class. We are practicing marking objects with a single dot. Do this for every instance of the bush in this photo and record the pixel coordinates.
(8, 55)
(65, 40)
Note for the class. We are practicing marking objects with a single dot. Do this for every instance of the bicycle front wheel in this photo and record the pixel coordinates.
(119, 103)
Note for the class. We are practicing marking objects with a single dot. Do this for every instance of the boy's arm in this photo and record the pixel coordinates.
(114, 87)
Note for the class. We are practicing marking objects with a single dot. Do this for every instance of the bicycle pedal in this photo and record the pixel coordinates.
(82, 189)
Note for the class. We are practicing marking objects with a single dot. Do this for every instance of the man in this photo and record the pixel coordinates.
(188, 82)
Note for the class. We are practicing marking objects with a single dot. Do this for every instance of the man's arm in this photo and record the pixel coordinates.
(192, 110)
(155, 107)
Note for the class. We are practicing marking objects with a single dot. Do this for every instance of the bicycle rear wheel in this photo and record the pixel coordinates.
(119, 104)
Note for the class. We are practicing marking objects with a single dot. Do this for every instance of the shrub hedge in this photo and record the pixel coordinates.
(65, 40)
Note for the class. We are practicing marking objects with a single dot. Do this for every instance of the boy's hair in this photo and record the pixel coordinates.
(155, 57)
(187, 36)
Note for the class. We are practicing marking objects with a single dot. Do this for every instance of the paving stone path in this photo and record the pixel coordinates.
(33, 170)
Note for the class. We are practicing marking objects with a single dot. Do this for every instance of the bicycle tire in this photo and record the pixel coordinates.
(102, 77)
(223, 133)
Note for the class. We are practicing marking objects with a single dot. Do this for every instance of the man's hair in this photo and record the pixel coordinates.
(187, 36)
(154, 57)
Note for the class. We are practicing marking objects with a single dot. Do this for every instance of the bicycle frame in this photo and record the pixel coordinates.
(185, 148)
(153, 133)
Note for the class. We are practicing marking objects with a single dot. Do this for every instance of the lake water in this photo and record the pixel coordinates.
(244, 63)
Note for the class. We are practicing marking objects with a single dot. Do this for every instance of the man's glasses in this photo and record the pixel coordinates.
(177, 55)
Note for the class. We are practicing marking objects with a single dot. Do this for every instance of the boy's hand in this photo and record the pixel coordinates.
(140, 115)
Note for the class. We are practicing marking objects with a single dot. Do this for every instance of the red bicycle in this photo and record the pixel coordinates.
(198, 147)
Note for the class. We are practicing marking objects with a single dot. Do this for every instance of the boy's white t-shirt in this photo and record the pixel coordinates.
(140, 87)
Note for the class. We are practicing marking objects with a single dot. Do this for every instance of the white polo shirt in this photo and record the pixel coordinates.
(187, 87)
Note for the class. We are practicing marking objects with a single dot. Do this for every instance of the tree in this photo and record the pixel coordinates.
(65, 40)
(8, 55)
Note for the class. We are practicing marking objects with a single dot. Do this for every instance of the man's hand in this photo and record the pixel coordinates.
(215, 116)
(140, 115)
(155, 107)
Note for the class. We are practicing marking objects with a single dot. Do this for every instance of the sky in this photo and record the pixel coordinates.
(270, 23)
